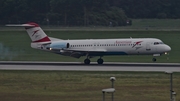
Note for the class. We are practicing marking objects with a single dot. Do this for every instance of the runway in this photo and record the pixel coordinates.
(78, 66)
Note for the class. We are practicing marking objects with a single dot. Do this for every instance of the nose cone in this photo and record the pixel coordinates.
(167, 48)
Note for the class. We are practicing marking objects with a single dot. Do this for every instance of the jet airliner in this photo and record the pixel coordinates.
(94, 47)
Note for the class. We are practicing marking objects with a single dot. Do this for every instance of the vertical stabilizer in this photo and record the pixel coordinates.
(36, 33)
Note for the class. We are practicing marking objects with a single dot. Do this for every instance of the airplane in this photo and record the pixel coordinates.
(94, 47)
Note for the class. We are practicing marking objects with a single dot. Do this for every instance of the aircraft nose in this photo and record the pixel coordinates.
(167, 48)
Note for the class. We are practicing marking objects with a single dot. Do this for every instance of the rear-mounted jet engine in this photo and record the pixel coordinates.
(58, 46)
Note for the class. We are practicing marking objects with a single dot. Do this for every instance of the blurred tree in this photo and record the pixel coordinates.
(85, 12)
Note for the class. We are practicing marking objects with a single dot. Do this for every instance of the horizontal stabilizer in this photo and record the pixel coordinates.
(20, 25)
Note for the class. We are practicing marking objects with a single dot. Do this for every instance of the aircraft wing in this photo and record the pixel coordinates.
(77, 53)
(87, 50)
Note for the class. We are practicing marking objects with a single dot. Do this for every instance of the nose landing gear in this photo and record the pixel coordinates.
(154, 59)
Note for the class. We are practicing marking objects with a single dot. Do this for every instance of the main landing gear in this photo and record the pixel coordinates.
(100, 61)
(87, 61)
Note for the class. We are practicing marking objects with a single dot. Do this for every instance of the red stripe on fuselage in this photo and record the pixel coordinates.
(45, 39)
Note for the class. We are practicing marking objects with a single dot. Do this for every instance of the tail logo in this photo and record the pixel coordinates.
(34, 32)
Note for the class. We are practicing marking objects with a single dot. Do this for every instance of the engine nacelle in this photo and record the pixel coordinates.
(58, 46)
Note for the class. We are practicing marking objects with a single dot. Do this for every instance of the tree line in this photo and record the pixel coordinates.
(86, 12)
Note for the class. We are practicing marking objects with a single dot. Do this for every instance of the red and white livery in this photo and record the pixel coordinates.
(94, 47)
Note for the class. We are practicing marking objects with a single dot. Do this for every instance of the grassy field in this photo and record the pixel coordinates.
(15, 45)
(85, 86)
(156, 23)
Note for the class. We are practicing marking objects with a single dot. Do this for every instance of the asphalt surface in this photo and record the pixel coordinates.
(78, 66)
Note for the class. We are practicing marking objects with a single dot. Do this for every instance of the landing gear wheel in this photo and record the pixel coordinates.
(87, 61)
(100, 61)
(154, 59)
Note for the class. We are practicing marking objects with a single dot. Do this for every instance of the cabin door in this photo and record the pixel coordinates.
(148, 46)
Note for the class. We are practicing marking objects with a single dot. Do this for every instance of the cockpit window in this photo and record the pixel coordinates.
(157, 43)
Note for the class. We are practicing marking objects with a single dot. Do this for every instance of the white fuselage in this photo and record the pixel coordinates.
(101, 47)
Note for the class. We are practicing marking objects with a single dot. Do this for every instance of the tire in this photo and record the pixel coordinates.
(154, 59)
(100, 61)
(87, 61)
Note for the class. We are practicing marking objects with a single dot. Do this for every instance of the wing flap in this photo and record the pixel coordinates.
(76, 54)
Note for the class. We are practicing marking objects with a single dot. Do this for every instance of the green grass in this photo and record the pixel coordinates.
(15, 45)
(157, 23)
(84, 86)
